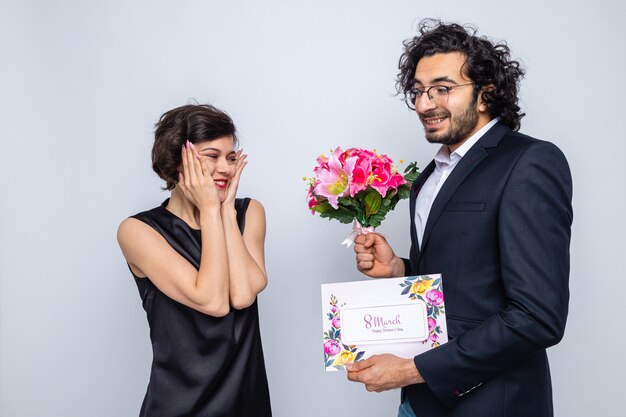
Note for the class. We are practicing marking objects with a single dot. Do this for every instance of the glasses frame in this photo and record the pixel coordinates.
(413, 92)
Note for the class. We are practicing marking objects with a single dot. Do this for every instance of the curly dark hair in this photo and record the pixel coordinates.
(193, 122)
(486, 64)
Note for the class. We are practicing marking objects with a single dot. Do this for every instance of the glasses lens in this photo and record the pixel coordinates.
(411, 98)
(438, 94)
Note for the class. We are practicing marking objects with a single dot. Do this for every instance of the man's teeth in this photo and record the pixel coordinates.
(435, 121)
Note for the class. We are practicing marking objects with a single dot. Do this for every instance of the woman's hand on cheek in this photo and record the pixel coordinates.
(233, 184)
(195, 181)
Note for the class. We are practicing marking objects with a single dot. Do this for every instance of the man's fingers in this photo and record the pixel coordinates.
(365, 256)
(360, 248)
(364, 266)
(370, 239)
(360, 239)
(359, 366)
(364, 261)
(365, 240)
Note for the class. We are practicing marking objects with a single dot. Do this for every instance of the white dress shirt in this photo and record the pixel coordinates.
(444, 164)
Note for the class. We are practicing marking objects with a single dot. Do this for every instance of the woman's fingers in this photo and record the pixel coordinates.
(241, 163)
(191, 162)
(186, 175)
(197, 165)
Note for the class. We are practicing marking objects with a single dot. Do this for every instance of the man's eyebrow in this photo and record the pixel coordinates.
(441, 79)
(444, 79)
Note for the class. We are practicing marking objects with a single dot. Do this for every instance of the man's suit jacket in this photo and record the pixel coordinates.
(499, 232)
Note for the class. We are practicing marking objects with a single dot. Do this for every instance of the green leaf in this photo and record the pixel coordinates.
(343, 214)
(411, 173)
(404, 191)
(373, 201)
(322, 208)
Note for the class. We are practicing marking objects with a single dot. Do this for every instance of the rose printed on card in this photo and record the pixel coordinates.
(427, 288)
(403, 316)
(336, 353)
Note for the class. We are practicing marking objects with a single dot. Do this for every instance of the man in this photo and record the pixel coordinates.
(492, 213)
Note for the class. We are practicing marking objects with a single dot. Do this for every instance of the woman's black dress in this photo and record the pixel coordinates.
(202, 365)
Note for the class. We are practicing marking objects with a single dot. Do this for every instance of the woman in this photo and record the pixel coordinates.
(199, 271)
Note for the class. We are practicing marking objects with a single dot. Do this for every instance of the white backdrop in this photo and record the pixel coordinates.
(82, 83)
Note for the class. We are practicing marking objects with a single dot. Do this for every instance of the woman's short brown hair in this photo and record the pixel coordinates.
(194, 123)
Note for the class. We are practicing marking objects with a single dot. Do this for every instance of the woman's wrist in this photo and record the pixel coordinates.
(209, 213)
(228, 210)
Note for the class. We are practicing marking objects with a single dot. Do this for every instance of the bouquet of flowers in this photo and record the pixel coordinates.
(358, 185)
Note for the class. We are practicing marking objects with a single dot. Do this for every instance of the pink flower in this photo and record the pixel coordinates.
(383, 177)
(336, 322)
(434, 337)
(331, 347)
(322, 162)
(334, 179)
(334, 308)
(360, 177)
(435, 297)
(362, 172)
(311, 200)
(432, 323)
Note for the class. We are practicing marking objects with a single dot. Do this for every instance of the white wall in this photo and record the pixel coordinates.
(82, 83)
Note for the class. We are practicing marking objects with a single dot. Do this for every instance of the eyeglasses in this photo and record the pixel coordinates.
(437, 94)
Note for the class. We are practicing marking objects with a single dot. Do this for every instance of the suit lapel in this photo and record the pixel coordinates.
(464, 168)
(415, 189)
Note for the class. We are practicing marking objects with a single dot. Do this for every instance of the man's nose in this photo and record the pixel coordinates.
(424, 103)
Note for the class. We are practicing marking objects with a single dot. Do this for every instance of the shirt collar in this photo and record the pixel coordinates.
(444, 158)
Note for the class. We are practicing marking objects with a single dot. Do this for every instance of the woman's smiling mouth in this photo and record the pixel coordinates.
(220, 183)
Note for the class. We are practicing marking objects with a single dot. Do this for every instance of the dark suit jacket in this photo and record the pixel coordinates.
(499, 232)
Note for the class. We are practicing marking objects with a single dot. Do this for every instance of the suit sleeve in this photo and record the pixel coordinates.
(534, 223)
(407, 267)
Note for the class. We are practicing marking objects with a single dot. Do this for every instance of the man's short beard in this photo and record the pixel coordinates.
(461, 127)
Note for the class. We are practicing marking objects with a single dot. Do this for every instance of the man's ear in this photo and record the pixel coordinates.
(484, 91)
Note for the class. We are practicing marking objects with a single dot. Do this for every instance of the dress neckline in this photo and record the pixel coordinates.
(169, 213)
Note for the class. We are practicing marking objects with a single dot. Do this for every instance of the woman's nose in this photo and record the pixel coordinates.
(222, 165)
